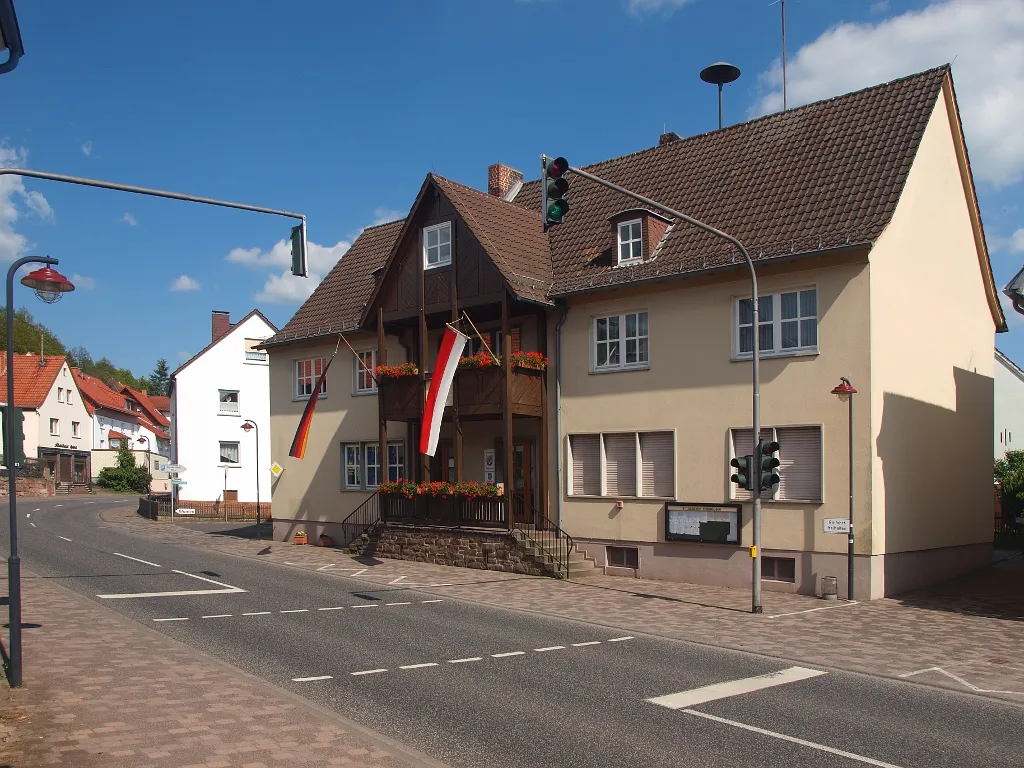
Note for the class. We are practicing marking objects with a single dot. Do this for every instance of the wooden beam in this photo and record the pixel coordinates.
(506, 406)
(382, 359)
(454, 293)
(424, 464)
(542, 337)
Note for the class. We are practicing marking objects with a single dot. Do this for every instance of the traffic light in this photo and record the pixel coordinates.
(553, 187)
(299, 250)
(14, 449)
(743, 476)
(768, 463)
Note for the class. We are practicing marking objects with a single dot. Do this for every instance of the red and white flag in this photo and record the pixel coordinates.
(440, 385)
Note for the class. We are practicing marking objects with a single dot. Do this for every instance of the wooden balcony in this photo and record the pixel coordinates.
(444, 510)
(480, 390)
(400, 397)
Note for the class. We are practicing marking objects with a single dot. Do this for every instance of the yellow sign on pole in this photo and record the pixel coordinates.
(276, 469)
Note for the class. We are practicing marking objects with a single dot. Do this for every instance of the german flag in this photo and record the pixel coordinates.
(298, 448)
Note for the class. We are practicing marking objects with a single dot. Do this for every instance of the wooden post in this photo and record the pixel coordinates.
(506, 404)
(425, 460)
(542, 337)
(454, 292)
(382, 359)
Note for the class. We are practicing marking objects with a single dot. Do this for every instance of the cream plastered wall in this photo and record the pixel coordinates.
(932, 360)
(696, 388)
(311, 488)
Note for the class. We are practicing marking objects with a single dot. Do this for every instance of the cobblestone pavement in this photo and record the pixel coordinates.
(103, 690)
(966, 634)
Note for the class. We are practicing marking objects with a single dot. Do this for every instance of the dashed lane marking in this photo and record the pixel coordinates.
(33, 525)
(507, 654)
(431, 601)
(366, 605)
(580, 645)
(368, 672)
(137, 559)
(257, 613)
(621, 639)
(420, 666)
(296, 610)
(311, 679)
(289, 610)
(464, 661)
(178, 618)
(219, 616)
(397, 603)
(64, 537)
(335, 608)
(550, 648)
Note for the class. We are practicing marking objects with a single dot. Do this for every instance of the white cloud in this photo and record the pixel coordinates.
(130, 220)
(986, 39)
(83, 283)
(283, 287)
(12, 190)
(1017, 241)
(384, 215)
(185, 283)
(880, 7)
(647, 6)
(183, 356)
(87, 148)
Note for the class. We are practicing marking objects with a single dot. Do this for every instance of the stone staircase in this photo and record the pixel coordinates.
(552, 554)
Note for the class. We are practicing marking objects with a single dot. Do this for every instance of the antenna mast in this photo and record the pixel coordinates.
(783, 4)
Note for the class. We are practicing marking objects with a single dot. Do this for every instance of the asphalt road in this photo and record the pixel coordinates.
(475, 685)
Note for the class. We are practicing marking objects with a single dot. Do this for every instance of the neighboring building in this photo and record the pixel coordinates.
(155, 424)
(212, 395)
(163, 405)
(861, 215)
(1009, 406)
(57, 427)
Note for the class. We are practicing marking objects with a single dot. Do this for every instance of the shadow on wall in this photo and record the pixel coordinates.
(937, 470)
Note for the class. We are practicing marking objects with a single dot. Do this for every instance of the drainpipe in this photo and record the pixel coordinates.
(558, 412)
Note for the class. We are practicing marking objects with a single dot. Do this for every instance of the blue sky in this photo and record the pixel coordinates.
(339, 109)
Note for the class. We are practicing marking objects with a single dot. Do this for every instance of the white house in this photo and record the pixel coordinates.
(56, 424)
(1009, 406)
(212, 396)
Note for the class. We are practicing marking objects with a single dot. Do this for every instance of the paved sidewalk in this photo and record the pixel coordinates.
(967, 634)
(103, 690)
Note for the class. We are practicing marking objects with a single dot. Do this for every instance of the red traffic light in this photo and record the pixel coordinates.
(557, 167)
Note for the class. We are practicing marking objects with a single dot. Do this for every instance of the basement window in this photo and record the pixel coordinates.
(778, 569)
(623, 557)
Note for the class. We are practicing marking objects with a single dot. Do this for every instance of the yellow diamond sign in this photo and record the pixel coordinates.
(276, 469)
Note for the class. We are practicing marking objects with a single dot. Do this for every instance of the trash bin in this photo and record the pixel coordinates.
(829, 588)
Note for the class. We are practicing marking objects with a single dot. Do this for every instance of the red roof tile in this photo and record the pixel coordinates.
(32, 381)
(96, 394)
(148, 407)
(162, 402)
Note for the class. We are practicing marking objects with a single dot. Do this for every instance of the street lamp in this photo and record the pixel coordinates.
(49, 285)
(248, 425)
(845, 392)
(149, 485)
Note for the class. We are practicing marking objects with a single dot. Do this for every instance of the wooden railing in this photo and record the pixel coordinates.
(444, 510)
(480, 391)
(400, 397)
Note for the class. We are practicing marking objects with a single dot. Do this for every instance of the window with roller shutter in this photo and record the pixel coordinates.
(585, 465)
(799, 462)
(620, 464)
(657, 460)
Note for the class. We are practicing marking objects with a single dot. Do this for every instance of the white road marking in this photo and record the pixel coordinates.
(90, 502)
(463, 661)
(227, 589)
(33, 525)
(28, 514)
(296, 610)
(395, 581)
(219, 616)
(550, 648)
(960, 680)
(367, 672)
(419, 666)
(695, 696)
(431, 601)
(510, 653)
(812, 610)
(183, 618)
(64, 537)
(311, 679)
(136, 559)
(397, 603)
(257, 613)
(620, 639)
(366, 605)
(36, 509)
(337, 608)
(592, 642)
(59, 505)
(791, 739)
(325, 567)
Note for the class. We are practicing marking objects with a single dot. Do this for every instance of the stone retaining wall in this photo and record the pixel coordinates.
(28, 486)
(483, 550)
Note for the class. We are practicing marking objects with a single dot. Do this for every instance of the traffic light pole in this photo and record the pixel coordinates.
(14, 561)
(755, 551)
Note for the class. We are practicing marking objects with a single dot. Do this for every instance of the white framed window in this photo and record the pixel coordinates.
(788, 324)
(228, 401)
(228, 452)
(620, 342)
(55, 426)
(60, 394)
(306, 374)
(360, 464)
(622, 464)
(68, 396)
(76, 429)
(631, 243)
(437, 245)
(365, 359)
(800, 463)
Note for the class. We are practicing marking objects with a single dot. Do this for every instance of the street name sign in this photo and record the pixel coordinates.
(184, 511)
(836, 525)
(175, 468)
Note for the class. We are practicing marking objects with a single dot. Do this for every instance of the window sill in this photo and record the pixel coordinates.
(746, 358)
(304, 398)
(359, 490)
(816, 502)
(630, 263)
(436, 266)
(229, 413)
(622, 369)
(658, 499)
(364, 392)
(228, 465)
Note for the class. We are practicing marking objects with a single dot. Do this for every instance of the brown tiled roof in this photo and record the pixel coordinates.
(148, 407)
(96, 394)
(162, 402)
(513, 237)
(32, 381)
(824, 175)
(337, 303)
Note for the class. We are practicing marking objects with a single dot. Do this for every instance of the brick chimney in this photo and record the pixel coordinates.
(221, 324)
(501, 179)
(668, 138)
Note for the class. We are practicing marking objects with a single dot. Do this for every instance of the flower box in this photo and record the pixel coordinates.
(299, 538)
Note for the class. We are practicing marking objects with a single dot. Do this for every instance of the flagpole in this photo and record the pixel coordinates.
(479, 336)
(358, 358)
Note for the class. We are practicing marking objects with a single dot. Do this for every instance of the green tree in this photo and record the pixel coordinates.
(160, 379)
(127, 476)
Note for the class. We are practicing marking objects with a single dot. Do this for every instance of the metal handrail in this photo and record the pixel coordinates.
(362, 519)
(546, 536)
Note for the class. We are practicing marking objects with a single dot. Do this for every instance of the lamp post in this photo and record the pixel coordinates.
(149, 485)
(247, 425)
(845, 392)
(49, 285)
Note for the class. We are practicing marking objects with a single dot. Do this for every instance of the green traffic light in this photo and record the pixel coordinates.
(557, 210)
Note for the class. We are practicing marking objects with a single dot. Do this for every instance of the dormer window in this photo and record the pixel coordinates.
(437, 245)
(631, 241)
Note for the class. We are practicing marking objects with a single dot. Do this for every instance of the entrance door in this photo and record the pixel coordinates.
(522, 482)
(444, 462)
(65, 469)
